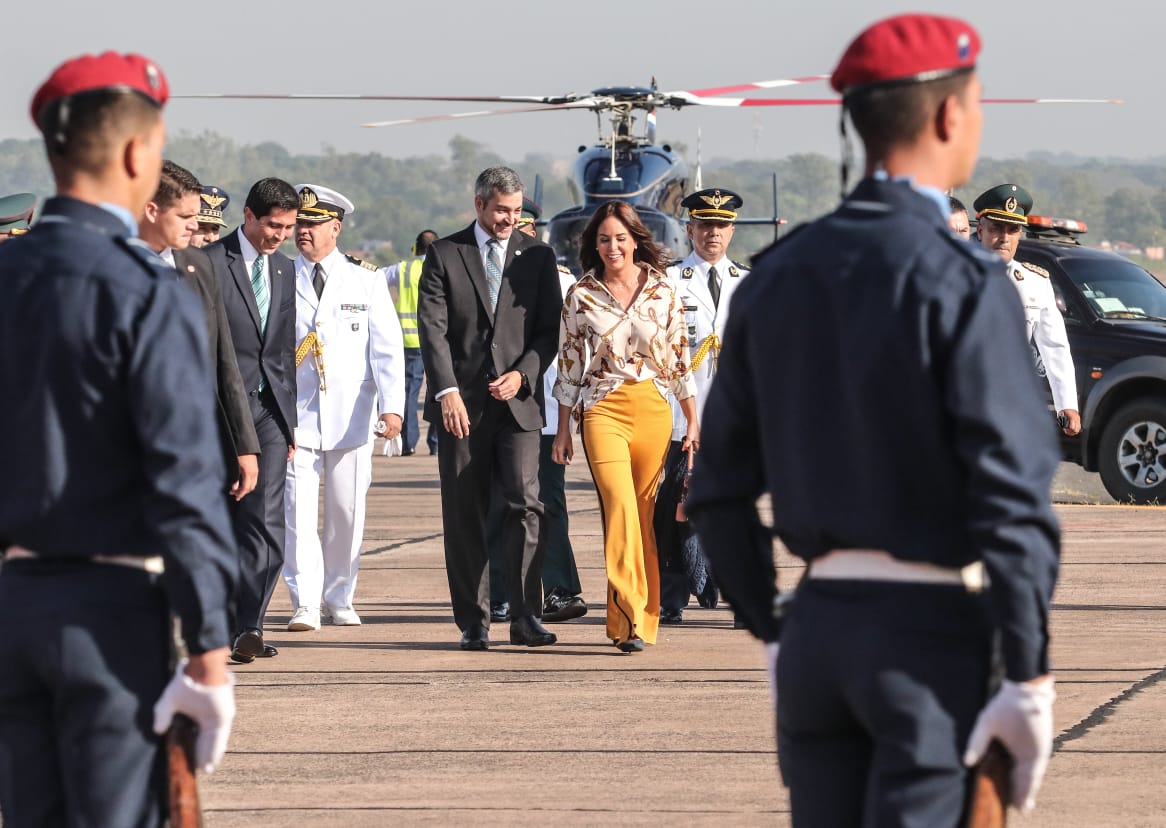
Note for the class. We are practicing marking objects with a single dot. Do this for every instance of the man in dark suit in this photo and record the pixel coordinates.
(166, 226)
(257, 283)
(488, 318)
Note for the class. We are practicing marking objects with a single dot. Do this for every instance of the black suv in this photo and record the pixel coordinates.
(1115, 314)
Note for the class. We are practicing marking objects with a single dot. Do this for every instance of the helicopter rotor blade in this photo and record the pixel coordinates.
(262, 96)
(836, 101)
(581, 104)
(745, 87)
(1052, 100)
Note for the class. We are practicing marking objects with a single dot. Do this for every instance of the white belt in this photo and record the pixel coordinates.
(153, 565)
(877, 565)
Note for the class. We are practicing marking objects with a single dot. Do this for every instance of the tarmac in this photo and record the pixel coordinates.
(390, 723)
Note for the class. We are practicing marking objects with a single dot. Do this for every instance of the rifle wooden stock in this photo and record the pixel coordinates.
(991, 789)
(185, 811)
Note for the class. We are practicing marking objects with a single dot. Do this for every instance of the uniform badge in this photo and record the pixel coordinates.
(1010, 204)
(356, 326)
(1018, 274)
(716, 199)
(733, 271)
(687, 273)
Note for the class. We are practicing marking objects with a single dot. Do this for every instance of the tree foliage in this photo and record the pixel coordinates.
(398, 197)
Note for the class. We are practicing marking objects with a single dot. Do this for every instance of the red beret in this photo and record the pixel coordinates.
(910, 47)
(109, 71)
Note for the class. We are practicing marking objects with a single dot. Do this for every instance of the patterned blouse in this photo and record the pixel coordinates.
(601, 345)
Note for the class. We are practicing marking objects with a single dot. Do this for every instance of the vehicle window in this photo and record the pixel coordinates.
(1117, 289)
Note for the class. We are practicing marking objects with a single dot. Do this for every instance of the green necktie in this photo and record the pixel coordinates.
(262, 300)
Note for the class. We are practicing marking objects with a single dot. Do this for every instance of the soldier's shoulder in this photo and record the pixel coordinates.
(360, 262)
(148, 261)
(778, 245)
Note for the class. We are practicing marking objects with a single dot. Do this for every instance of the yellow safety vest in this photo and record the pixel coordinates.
(408, 282)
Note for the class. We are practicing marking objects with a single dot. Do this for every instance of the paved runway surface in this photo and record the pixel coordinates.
(390, 723)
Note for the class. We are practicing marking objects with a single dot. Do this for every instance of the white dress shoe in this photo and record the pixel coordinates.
(304, 619)
(344, 616)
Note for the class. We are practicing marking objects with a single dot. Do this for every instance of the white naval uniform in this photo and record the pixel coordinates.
(703, 318)
(1046, 332)
(364, 364)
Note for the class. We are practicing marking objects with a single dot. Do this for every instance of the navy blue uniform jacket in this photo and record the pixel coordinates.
(112, 444)
(875, 381)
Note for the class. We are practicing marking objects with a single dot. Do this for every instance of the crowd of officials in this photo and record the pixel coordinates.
(185, 396)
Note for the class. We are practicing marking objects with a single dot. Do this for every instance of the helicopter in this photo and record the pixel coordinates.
(622, 165)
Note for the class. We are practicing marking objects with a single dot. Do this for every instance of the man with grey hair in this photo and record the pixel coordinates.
(488, 319)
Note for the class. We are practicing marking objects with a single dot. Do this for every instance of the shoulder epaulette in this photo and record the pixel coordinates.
(1035, 269)
(566, 271)
(970, 250)
(675, 263)
(361, 262)
(789, 234)
(142, 253)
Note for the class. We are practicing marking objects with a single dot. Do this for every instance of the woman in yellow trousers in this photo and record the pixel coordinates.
(623, 348)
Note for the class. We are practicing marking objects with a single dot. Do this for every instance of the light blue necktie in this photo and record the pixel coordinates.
(494, 272)
(263, 302)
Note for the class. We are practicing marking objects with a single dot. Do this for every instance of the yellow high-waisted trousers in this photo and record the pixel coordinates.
(626, 436)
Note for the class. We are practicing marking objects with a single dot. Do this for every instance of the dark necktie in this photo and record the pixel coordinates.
(715, 287)
(318, 280)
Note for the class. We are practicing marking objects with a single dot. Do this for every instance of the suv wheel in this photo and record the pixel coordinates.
(1132, 459)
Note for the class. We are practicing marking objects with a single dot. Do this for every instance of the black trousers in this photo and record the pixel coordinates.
(558, 558)
(496, 454)
(84, 655)
(259, 521)
(670, 537)
(879, 686)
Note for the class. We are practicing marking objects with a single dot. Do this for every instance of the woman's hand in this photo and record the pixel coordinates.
(562, 449)
(691, 437)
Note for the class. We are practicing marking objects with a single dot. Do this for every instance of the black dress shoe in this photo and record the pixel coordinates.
(562, 606)
(635, 644)
(476, 637)
(268, 651)
(529, 632)
(671, 617)
(739, 622)
(500, 611)
(248, 646)
(408, 452)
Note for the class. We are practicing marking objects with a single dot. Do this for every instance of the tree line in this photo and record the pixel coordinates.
(398, 197)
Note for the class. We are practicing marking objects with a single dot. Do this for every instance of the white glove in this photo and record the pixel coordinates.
(1020, 717)
(211, 708)
(393, 447)
(771, 668)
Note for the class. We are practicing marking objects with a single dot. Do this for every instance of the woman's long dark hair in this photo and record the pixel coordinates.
(647, 250)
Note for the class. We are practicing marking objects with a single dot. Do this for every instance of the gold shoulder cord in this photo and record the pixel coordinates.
(312, 343)
(711, 344)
